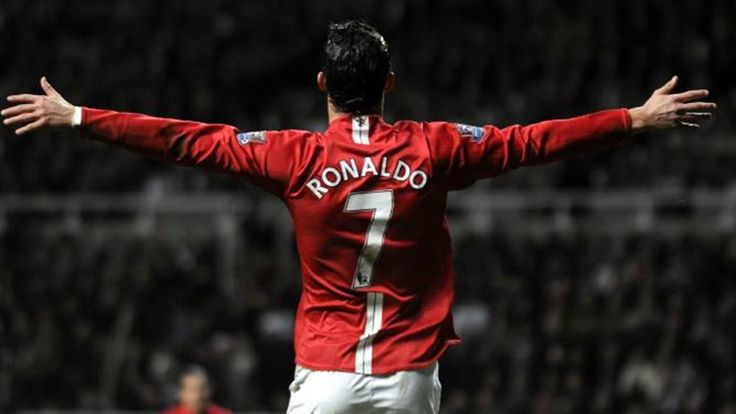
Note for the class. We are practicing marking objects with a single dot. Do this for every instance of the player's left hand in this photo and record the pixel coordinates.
(38, 111)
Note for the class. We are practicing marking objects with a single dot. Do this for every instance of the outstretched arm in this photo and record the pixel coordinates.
(214, 146)
(561, 139)
(173, 140)
(475, 152)
(549, 141)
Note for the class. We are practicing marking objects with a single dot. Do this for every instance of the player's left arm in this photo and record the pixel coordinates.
(217, 147)
(174, 140)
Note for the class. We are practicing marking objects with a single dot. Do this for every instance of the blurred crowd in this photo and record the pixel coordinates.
(587, 323)
(253, 64)
(564, 323)
(101, 314)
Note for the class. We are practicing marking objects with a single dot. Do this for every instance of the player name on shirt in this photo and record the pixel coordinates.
(351, 169)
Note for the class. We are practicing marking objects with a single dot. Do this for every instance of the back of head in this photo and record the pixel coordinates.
(356, 64)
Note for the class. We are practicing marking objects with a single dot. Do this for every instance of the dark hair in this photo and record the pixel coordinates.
(356, 62)
(195, 370)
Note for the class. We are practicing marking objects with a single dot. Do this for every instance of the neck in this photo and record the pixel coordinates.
(333, 113)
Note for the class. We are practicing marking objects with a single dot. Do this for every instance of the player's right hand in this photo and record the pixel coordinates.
(665, 110)
(38, 111)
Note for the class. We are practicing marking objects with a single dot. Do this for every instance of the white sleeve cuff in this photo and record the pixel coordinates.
(77, 117)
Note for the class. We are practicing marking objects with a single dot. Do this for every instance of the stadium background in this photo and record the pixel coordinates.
(599, 285)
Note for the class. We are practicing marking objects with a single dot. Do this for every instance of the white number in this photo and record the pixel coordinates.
(381, 203)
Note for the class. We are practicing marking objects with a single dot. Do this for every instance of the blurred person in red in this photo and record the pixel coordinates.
(195, 392)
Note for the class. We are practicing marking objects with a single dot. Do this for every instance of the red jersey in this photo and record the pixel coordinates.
(368, 203)
(211, 409)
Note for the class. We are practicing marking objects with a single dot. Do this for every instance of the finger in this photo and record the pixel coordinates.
(690, 95)
(24, 97)
(668, 87)
(17, 109)
(697, 107)
(46, 86)
(20, 118)
(30, 127)
(696, 116)
(689, 124)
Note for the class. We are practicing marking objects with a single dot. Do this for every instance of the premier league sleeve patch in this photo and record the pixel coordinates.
(474, 133)
(248, 137)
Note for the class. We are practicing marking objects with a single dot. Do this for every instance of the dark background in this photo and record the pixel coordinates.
(599, 285)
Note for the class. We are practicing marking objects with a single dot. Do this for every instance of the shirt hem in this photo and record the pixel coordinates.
(403, 367)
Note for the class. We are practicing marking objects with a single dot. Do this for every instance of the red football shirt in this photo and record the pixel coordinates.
(368, 203)
(211, 409)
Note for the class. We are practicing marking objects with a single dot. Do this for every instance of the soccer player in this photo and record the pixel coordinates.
(195, 392)
(367, 199)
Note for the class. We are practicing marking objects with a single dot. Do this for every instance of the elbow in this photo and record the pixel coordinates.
(178, 149)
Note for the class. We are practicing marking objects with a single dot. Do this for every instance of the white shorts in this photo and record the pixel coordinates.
(334, 392)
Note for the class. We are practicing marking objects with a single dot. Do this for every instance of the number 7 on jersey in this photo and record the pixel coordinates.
(381, 203)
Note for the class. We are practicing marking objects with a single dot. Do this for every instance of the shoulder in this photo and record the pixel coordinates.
(440, 137)
(299, 142)
(293, 133)
(278, 140)
(173, 410)
(430, 130)
(283, 135)
(216, 409)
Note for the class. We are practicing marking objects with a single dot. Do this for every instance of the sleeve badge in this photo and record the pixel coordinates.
(248, 137)
(474, 133)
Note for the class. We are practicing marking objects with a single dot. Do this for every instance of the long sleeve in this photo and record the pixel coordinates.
(263, 157)
(463, 153)
(172, 140)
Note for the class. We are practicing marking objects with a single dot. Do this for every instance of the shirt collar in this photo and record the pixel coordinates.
(345, 122)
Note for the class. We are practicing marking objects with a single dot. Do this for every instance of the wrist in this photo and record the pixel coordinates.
(77, 117)
(638, 120)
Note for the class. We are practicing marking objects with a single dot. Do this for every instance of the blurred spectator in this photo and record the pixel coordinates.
(194, 395)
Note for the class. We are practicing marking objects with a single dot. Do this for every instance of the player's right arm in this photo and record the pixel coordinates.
(216, 147)
(464, 154)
